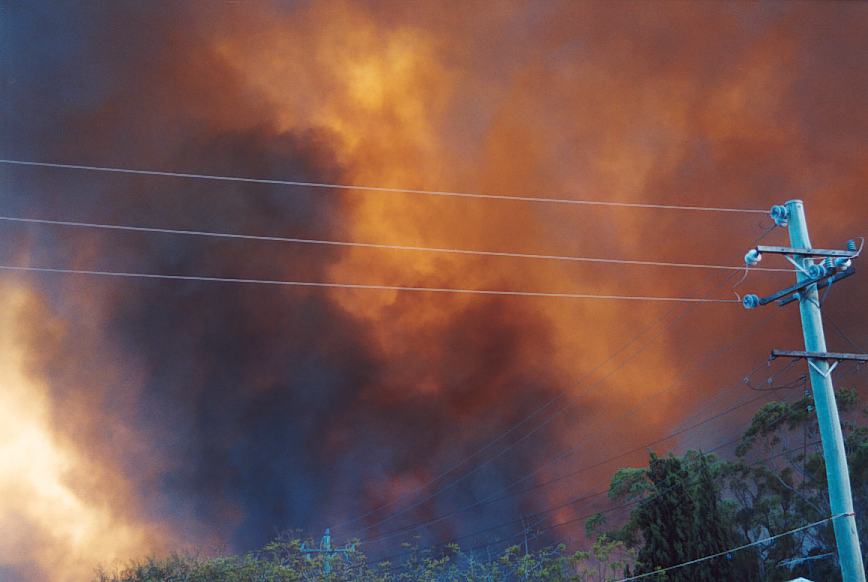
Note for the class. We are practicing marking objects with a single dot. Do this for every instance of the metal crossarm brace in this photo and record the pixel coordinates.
(821, 283)
(836, 357)
(824, 356)
(819, 355)
(806, 252)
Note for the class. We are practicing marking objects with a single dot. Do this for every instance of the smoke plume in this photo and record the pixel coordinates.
(142, 416)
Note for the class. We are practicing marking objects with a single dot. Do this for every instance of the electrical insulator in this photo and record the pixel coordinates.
(780, 215)
(752, 257)
(843, 263)
(851, 246)
(750, 301)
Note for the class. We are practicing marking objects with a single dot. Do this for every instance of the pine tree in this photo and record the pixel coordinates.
(682, 520)
(711, 534)
(665, 519)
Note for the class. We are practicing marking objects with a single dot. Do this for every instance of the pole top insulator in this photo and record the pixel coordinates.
(843, 263)
(780, 215)
(752, 257)
(750, 301)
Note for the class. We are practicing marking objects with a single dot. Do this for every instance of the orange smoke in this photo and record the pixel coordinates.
(608, 101)
(618, 120)
(400, 97)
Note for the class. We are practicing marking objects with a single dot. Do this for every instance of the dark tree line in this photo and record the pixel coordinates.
(698, 505)
(681, 508)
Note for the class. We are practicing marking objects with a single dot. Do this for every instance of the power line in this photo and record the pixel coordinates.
(639, 448)
(310, 284)
(156, 276)
(737, 549)
(585, 498)
(542, 408)
(539, 410)
(445, 193)
(720, 446)
(587, 515)
(760, 461)
(692, 370)
(381, 246)
(716, 448)
(841, 333)
(560, 457)
(503, 451)
(640, 499)
(596, 464)
(323, 284)
(592, 495)
(589, 496)
(506, 491)
(412, 527)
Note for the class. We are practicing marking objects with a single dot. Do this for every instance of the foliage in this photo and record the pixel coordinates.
(682, 508)
(789, 489)
(679, 518)
(282, 561)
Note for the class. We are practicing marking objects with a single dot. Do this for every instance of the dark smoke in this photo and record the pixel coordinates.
(257, 409)
(240, 411)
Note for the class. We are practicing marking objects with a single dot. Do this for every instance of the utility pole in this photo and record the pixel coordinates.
(526, 551)
(811, 276)
(325, 548)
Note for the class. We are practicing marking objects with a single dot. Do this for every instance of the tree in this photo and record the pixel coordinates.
(786, 488)
(680, 517)
(696, 505)
(665, 518)
(712, 531)
(686, 507)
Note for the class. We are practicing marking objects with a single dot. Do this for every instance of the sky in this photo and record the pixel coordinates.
(143, 416)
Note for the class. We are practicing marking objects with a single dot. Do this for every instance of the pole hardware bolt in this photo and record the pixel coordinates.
(816, 270)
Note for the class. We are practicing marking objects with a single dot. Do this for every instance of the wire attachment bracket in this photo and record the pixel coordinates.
(835, 264)
(834, 357)
(778, 250)
(753, 301)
